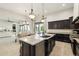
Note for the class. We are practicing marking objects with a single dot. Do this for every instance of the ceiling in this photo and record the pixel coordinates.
(21, 7)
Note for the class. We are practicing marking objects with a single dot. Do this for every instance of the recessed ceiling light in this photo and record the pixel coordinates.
(63, 4)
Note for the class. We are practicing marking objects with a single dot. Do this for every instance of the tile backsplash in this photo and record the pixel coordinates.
(60, 31)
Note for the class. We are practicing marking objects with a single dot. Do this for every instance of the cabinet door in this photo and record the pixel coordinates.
(66, 24)
(62, 24)
(40, 49)
(24, 49)
(55, 25)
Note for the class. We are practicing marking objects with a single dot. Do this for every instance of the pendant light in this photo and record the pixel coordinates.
(43, 13)
(32, 15)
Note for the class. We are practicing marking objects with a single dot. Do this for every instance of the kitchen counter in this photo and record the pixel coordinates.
(34, 39)
(36, 45)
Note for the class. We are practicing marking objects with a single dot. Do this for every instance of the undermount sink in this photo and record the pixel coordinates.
(45, 36)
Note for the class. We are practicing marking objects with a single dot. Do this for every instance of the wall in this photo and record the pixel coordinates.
(5, 15)
(76, 10)
(61, 15)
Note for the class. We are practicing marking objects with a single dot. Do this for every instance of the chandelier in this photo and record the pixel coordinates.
(31, 14)
(43, 14)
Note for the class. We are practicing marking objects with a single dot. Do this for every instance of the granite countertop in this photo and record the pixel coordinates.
(34, 39)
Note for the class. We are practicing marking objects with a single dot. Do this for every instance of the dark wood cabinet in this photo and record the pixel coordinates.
(41, 49)
(61, 24)
(75, 47)
(76, 26)
(49, 44)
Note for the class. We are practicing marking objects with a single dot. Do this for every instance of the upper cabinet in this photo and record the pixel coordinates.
(61, 24)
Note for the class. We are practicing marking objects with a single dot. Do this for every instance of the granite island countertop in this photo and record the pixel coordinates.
(34, 39)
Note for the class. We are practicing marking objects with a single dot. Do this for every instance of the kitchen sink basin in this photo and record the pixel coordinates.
(45, 36)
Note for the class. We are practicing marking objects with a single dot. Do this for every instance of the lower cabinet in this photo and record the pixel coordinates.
(24, 49)
(75, 47)
(49, 45)
(41, 49)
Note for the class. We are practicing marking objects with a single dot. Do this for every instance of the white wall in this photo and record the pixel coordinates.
(58, 16)
(5, 14)
(76, 10)
(6, 25)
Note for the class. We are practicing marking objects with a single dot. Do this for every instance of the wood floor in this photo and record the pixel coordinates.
(62, 49)
(12, 49)
(9, 49)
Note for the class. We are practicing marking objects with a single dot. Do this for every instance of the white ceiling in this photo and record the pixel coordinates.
(21, 7)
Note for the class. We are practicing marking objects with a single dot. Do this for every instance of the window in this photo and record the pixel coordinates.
(24, 27)
(39, 27)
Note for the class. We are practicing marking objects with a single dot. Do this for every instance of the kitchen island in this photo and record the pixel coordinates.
(36, 45)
